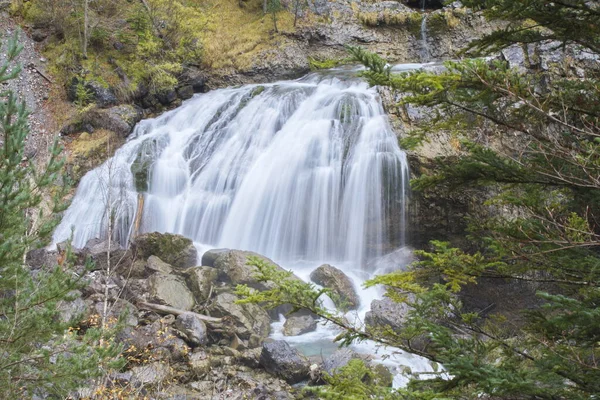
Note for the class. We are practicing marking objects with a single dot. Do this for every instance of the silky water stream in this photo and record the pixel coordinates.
(305, 172)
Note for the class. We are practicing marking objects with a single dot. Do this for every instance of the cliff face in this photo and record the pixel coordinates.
(399, 33)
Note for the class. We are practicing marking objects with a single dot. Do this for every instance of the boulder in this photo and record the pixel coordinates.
(387, 312)
(337, 360)
(248, 319)
(119, 119)
(209, 257)
(98, 251)
(193, 328)
(299, 324)
(279, 358)
(175, 250)
(201, 280)
(170, 290)
(333, 278)
(233, 268)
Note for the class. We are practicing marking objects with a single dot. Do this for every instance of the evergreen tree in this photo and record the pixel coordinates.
(39, 355)
(548, 174)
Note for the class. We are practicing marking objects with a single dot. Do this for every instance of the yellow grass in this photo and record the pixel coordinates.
(236, 35)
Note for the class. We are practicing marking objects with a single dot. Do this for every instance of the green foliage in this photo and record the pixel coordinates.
(83, 95)
(316, 64)
(40, 355)
(273, 7)
(354, 381)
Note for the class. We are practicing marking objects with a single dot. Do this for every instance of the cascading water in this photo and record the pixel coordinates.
(304, 172)
(424, 45)
(300, 170)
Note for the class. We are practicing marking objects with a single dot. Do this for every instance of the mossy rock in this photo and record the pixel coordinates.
(176, 250)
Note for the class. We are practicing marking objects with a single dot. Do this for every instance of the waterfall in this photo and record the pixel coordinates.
(424, 45)
(295, 170)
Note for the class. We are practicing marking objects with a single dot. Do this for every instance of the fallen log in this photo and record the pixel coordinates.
(161, 309)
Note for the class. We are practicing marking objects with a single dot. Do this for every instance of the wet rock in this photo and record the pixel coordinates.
(334, 279)
(99, 251)
(248, 319)
(151, 374)
(192, 328)
(209, 257)
(299, 324)
(175, 250)
(118, 119)
(280, 359)
(337, 360)
(185, 92)
(387, 312)
(155, 264)
(201, 280)
(170, 290)
(118, 46)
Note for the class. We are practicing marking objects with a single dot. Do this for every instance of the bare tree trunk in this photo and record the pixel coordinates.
(85, 27)
(265, 2)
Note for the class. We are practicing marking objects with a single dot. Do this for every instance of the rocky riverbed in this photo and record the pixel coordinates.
(185, 334)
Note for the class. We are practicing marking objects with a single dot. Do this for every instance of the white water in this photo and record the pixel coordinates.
(425, 56)
(304, 172)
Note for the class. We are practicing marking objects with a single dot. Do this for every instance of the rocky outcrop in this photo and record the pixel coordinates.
(330, 277)
(175, 250)
(280, 359)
